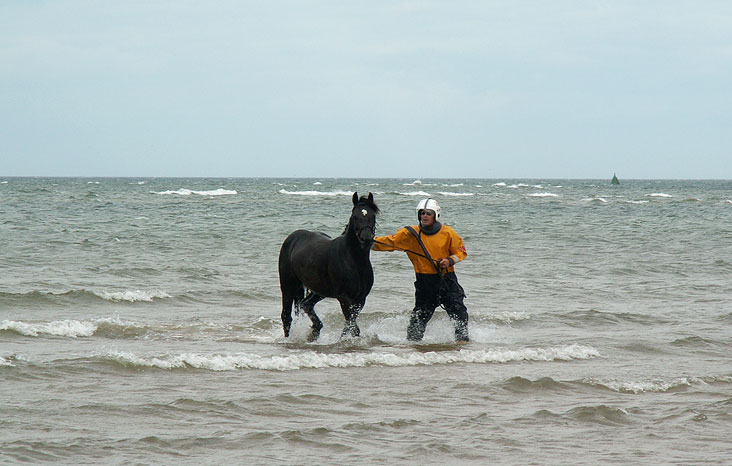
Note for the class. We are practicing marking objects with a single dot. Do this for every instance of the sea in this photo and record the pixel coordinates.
(140, 324)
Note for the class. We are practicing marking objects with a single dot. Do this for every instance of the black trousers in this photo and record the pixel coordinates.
(432, 290)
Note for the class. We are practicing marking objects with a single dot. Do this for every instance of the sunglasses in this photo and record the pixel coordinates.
(426, 212)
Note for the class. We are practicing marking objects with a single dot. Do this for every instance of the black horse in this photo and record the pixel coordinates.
(329, 268)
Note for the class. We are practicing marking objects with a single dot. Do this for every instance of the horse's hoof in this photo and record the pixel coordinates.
(314, 335)
(351, 331)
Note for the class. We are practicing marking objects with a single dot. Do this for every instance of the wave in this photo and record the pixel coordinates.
(188, 192)
(600, 414)
(316, 360)
(544, 194)
(40, 297)
(595, 199)
(7, 362)
(316, 193)
(655, 385)
(506, 317)
(698, 342)
(132, 295)
(521, 385)
(659, 195)
(603, 318)
(65, 328)
(261, 330)
(456, 194)
(416, 193)
(104, 327)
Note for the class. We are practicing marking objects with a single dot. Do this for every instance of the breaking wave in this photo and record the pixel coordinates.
(316, 193)
(655, 385)
(65, 328)
(44, 297)
(316, 360)
(188, 192)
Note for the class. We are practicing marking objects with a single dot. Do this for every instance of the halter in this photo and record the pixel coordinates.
(360, 230)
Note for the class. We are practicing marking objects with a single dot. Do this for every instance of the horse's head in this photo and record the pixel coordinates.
(363, 219)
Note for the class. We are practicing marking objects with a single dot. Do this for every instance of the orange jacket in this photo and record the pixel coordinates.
(444, 244)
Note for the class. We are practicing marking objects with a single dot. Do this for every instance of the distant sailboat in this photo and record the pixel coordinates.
(615, 180)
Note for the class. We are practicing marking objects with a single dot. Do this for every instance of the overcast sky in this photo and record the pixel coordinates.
(413, 89)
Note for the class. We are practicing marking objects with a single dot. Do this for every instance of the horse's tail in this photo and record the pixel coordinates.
(290, 285)
(299, 296)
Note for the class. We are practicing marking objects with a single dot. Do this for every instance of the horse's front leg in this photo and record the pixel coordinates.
(350, 313)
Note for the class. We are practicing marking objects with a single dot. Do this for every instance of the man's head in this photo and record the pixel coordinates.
(428, 212)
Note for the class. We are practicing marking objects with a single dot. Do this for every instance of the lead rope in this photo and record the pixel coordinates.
(426, 255)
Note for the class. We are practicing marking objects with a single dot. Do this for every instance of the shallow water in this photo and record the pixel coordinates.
(139, 323)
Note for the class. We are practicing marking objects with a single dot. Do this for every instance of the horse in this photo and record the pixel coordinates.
(337, 268)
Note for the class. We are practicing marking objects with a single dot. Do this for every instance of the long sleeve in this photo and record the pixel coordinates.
(445, 243)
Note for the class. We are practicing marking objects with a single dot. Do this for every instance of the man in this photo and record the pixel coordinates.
(436, 282)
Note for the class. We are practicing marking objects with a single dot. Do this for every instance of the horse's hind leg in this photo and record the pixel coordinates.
(292, 291)
(308, 305)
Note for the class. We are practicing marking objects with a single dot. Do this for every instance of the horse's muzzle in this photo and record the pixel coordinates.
(366, 236)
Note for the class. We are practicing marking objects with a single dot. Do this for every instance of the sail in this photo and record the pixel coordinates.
(615, 179)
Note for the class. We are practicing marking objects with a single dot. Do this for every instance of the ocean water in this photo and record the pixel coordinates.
(139, 324)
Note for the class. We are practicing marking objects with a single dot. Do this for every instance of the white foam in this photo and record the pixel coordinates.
(188, 192)
(456, 194)
(317, 183)
(637, 202)
(316, 360)
(5, 362)
(519, 185)
(501, 184)
(3, 182)
(317, 193)
(413, 183)
(416, 193)
(590, 199)
(659, 195)
(63, 328)
(544, 194)
(132, 295)
(646, 385)
(509, 317)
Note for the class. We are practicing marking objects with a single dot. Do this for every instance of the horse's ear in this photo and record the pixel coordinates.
(355, 198)
(371, 197)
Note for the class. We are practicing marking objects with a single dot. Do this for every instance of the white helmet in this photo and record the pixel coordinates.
(429, 204)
